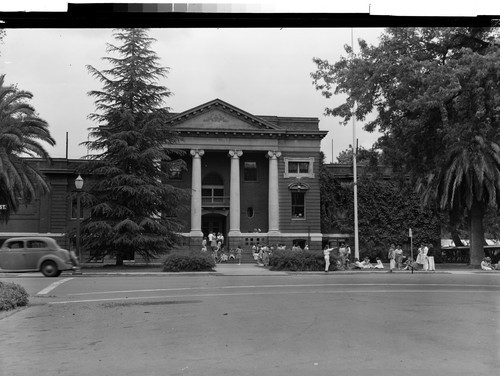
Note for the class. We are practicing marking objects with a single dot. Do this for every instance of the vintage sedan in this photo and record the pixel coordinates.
(28, 254)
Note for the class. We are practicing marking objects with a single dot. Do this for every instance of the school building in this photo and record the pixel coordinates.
(253, 178)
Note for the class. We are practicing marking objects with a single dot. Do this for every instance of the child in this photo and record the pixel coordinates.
(238, 254)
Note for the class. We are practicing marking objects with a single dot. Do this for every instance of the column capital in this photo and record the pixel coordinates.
(197, 152)
(235, 153)
(273, 154)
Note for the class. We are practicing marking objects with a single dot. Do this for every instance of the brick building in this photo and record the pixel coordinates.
(255, 179)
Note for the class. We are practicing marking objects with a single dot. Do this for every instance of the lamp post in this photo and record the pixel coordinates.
(79, 186)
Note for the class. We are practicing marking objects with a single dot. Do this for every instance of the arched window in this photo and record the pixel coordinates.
(298, 192)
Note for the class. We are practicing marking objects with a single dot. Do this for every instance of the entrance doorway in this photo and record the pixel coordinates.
(213, 223)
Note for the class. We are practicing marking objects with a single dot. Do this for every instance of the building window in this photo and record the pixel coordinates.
(299, 167)
(250, 171)
(74, 210)
(298, 205)
(250, 212)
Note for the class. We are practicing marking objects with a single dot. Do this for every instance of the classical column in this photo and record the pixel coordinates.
(196, 193)
(274, 206)
(234, 211)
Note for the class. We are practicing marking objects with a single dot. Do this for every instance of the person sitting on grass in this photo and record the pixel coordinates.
(356, 264)
(366, 263)
(486, 264)
(379, 264)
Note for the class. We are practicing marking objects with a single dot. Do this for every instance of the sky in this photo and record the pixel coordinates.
(261, 71)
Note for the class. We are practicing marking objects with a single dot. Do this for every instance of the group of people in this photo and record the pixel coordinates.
(215, 244)
(261, 254)
(397, 260)
(487, 265)
(344, 254)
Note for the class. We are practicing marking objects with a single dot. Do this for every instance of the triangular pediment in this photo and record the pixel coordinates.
(219, 115)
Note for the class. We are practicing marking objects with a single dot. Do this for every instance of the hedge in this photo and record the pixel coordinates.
(300, 261)
(12, 296)
(188, 262)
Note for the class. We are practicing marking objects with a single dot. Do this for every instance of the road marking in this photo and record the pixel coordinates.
(276, 286)
(48, 289)
(263, 293)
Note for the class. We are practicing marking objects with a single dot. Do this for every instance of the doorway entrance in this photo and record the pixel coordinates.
(213, 223)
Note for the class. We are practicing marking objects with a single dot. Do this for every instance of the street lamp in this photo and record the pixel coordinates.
(79, 186)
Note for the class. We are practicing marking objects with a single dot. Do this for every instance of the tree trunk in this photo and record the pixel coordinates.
(119, 259)
(455, 218)
(476, 234)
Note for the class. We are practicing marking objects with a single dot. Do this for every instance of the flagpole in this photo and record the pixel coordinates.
(354, 172)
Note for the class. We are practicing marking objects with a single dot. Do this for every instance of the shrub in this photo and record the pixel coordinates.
(12, 296)
(300, 261)
(188, 262)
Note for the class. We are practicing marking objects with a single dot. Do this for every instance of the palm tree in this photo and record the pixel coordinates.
(21, 131)
(470, 179)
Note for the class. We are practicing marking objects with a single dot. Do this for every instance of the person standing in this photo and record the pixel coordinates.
(430, 258)
(238, 254)
(342, 255)
(326, 253)
(421, 256)
(265, 255)
(392, 257)
(347, 255)
(425, 258)
(399, 257)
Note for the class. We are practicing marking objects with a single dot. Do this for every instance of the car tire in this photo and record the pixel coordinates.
(49, 269)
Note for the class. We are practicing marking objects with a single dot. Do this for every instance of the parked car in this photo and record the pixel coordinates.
(28, 254)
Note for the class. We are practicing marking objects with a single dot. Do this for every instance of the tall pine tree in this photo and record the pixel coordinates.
(133, 208)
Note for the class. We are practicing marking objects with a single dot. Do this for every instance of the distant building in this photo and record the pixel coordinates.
(254, 179)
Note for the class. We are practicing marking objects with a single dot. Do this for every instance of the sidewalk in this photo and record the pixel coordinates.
(255, 270)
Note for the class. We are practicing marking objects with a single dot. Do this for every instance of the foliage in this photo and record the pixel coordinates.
(435, 91)
(300, 261)
(363, 157)
(386, 210)
(133, 208)
(22, 133)
(12, 296)
(190, 262)
(336, 203)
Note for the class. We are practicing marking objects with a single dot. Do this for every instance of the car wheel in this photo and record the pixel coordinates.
(49, 269)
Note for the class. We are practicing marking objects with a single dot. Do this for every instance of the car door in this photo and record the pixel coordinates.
(12, 256)
(33, 251)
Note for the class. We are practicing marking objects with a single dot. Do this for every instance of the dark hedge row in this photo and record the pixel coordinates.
(12, 296)
(188, 262)
(300, 261)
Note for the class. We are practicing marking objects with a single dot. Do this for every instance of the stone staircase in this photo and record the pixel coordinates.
(246, 257)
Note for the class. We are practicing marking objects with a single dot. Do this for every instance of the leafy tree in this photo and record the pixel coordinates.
(133, 208)
(435, 91)
(364, 157)
(22, 133)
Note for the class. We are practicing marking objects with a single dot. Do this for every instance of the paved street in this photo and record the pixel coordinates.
(250, 321)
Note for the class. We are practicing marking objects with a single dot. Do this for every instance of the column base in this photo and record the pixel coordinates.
(234, 233)
(195, 233)
(274, 233)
